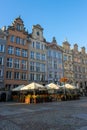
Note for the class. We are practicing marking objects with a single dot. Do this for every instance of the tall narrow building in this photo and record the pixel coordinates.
(68, 62)
(80, 67)
(2, 56)
(16, 65)
(37, 58)
(84, 68)
(54, 62)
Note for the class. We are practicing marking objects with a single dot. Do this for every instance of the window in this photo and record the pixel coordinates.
(37, 66)
(18, 27)
(43, 67)
(75, 68)
(70, 58)
(32, 66)
(24, 76)
(9, 62)
(49, 53)
(55, 75)
(1, 72)
(83, 69)
(42, 47)
(54, 54)
(10, 50)
(38, 33)
(1, 60)
(24, 64)
(43, 77)
(43, 56)
(32, 77)
(37, 45)
(18, 51)
(38, 56)
(24, 53)
(8, 86)
(65, 58)
(38, 77)
(55, 65)
(17, 63)
(9, 75)
(32, 55)
(50, 75)
(18, 40)
(16, 75)
(33, 44)
(22, 41)
(15, 85)
(75, 75)
(60, 56)
(60, 67)
(50, 63)
(2, 48)
(12, 38)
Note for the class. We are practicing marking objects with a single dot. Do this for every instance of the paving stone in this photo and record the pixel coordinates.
(67, 115)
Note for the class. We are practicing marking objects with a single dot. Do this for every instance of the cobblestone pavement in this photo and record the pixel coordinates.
(65, 115)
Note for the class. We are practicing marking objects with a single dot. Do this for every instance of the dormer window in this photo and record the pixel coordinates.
(18, 27)
(38, 33)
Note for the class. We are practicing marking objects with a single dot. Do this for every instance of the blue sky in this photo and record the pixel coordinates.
(64, 19)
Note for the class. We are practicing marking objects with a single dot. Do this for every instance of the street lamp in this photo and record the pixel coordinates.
(64, 80)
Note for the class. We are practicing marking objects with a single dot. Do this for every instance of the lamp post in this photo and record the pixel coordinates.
(64, 80)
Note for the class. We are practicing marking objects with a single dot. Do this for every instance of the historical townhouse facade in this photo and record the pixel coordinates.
(16, 64)
(2, 56)
(80, 67)
(37, 58)
(54, 62)
(84, 68)
(68, 62)
(77, 62)
(25, 58)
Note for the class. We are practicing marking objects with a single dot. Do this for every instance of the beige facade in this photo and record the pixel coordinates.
(84, 67)
(68, 62)
(77, 60)
(37, 58)
(75, 65)
(80, 67)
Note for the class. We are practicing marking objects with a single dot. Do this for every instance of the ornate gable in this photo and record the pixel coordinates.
(18, 22)
(17, 25)
(37, 32)
(53, 46)
(56, 47)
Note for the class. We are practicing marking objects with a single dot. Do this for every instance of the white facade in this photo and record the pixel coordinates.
(54, 63)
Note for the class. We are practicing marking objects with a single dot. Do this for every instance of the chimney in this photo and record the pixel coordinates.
(83, 50)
